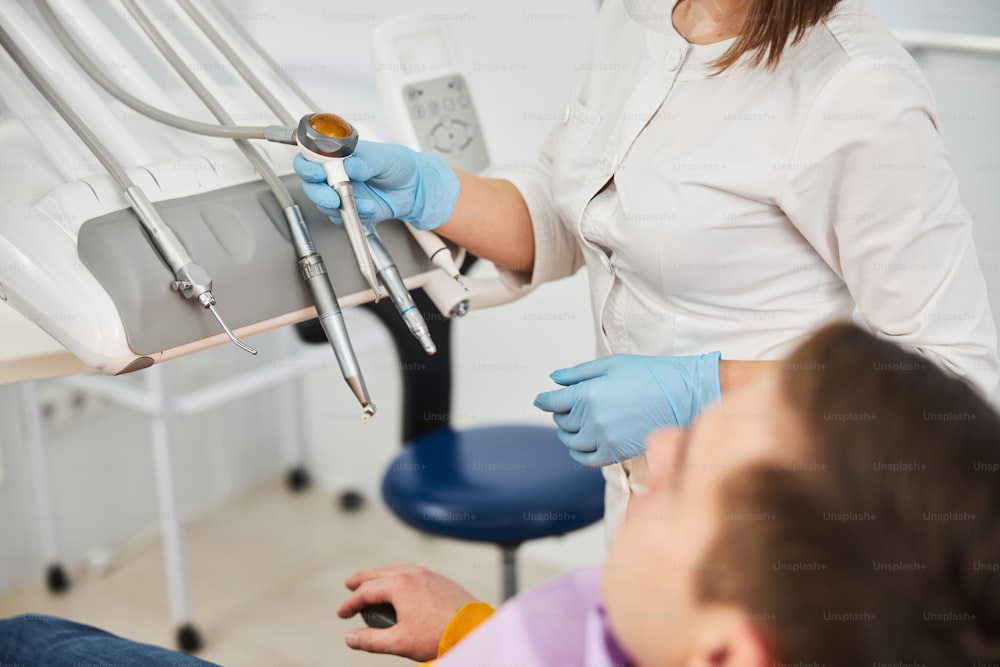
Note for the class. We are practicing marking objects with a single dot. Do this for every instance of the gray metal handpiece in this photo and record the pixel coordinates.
(401, 298)
(327, 138)
(191, 279)
(313, 271)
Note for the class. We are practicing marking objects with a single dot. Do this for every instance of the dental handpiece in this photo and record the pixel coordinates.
(191, 280)
(313, 271)
(437, 252)
(312, 268)
(401, 299)
(328, 139)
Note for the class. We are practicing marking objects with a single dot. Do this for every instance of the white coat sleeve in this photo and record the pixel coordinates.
(870, 187)
(557, 252)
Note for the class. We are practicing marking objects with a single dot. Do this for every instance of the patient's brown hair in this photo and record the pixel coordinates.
(882, 545)
(771, 25)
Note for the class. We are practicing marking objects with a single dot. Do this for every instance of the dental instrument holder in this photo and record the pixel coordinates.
(329, 139)
(241, 232)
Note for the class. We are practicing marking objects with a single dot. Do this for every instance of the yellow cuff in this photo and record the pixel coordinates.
(462, 623)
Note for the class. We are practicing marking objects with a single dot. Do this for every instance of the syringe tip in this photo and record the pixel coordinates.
(458, 279)
(210, 304)
(368, 411)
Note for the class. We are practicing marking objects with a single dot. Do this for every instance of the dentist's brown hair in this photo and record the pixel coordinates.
(769, 26)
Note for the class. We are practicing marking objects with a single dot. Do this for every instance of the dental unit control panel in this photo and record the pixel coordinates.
(424, 92)
(429, 103)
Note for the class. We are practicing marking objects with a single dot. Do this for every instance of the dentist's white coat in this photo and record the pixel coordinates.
(740, 212)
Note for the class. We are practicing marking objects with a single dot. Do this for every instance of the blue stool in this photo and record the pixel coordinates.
(499, 484)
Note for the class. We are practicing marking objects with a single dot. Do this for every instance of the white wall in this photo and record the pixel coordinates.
(102, 470)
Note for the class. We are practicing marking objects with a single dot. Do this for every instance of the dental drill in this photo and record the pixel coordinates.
(325, 143)
(329, 139)
(191, 280)
(311, 265)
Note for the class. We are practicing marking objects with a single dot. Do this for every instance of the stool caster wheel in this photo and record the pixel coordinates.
(56, 579)
(351, 501)
(189, 639)
(297, 479)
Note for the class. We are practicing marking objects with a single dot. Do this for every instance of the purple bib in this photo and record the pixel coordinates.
(559, 624)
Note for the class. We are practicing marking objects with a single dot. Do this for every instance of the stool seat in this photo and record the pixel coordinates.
(500, 484)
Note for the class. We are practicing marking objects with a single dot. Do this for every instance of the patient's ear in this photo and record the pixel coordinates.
(726, 637)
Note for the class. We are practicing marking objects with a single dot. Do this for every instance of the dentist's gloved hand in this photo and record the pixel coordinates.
(610, 405)
(390, 182)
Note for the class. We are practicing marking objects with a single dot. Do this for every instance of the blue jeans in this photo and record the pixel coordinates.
(33, 640)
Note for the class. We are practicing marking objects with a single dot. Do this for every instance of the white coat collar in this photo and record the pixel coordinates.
(655, 17)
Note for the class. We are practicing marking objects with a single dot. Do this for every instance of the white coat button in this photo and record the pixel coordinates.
(673, 60)
(566, 115)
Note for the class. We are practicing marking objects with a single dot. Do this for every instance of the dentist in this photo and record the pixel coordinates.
(733, 174)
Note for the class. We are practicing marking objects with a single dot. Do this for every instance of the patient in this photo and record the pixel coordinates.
(844, 511)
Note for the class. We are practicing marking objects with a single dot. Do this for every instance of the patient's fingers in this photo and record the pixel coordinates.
(370, 592)
(373, 640)
(361, 577)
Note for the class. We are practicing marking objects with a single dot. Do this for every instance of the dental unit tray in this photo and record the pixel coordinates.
(93, 282)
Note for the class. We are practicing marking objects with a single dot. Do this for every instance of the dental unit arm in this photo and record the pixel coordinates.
(191, 280)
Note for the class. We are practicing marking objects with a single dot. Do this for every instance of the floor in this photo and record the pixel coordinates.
(266, 576)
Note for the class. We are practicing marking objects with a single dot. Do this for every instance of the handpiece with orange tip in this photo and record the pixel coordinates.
(329, 139)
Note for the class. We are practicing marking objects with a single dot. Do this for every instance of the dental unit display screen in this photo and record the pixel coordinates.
(424, 51)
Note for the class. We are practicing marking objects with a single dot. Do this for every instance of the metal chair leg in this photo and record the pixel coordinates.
(55, 576)
(297, 477)
(509, 566)
(188, 637)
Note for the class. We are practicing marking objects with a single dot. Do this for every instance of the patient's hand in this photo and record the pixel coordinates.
(425, 602)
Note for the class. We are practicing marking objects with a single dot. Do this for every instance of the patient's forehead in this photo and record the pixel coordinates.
(756, 422)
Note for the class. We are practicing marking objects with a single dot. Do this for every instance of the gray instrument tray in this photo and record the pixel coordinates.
(240, 236)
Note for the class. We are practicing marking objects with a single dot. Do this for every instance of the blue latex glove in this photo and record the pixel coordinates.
(610, 405)
(390, 182)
